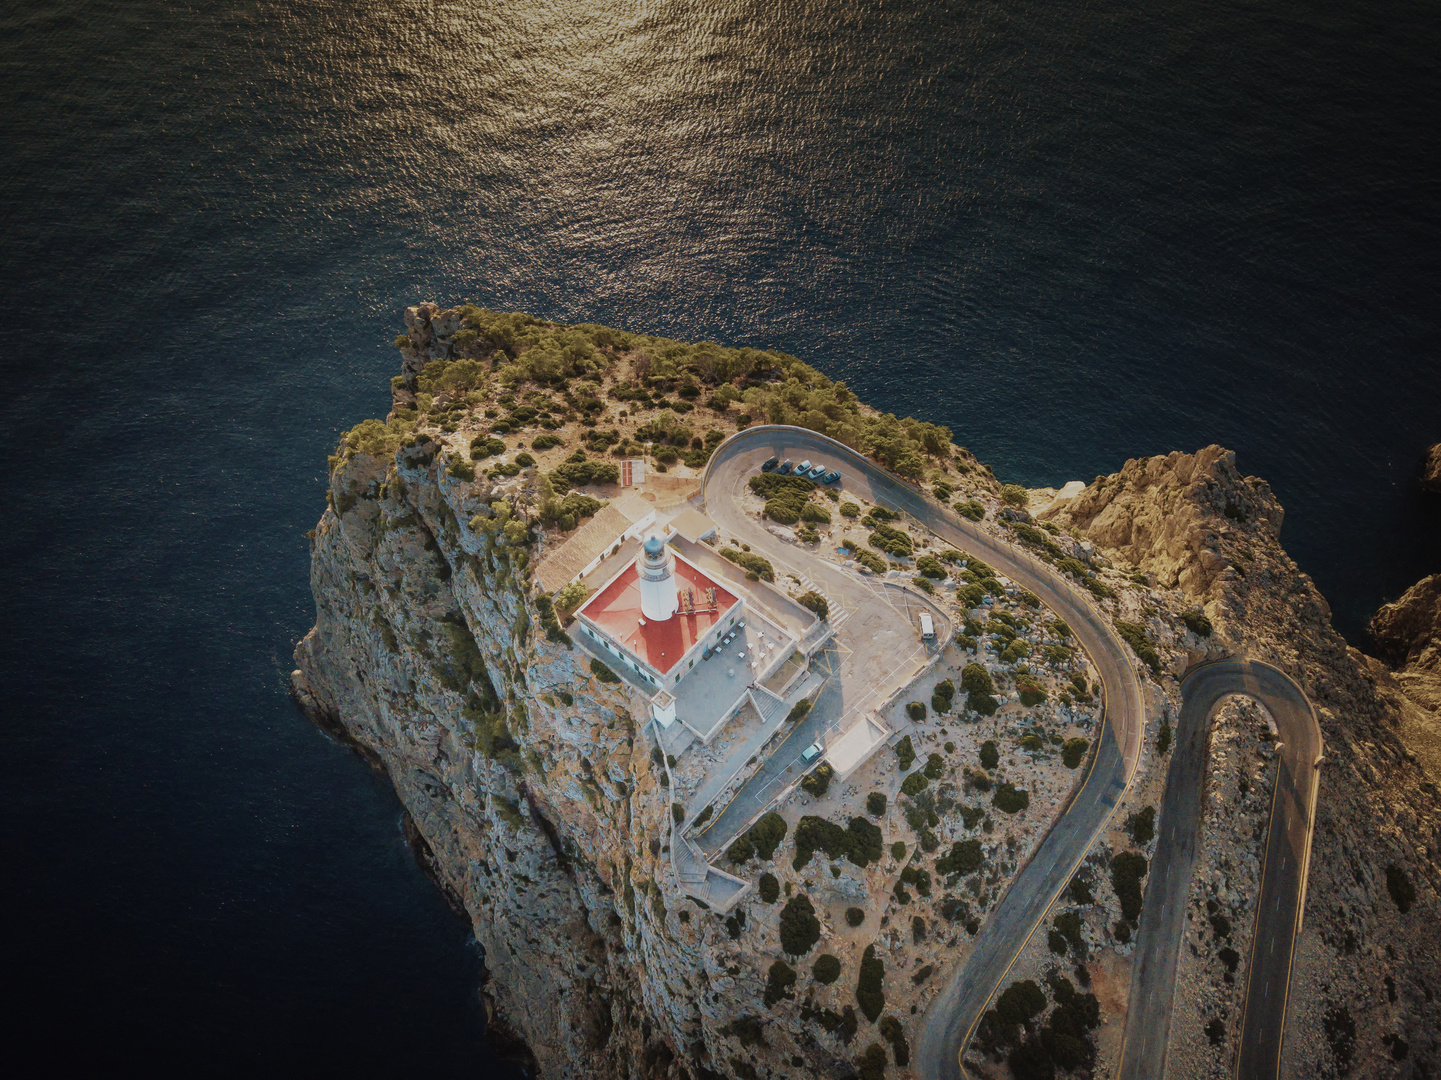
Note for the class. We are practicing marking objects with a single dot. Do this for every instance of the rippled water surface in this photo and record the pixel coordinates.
(1074, 232)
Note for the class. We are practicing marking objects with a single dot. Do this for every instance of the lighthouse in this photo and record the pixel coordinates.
(656, 571)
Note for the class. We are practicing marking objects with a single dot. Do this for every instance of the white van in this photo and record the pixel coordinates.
(928, 628)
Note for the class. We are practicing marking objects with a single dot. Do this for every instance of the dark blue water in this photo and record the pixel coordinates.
(1074, 232)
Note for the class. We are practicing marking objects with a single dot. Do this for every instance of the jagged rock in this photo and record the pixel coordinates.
(1409, 629)
(1431, 470)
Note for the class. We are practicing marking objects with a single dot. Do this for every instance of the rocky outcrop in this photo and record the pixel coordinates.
(1171, 516)
(1408, 630)
(1431, 470)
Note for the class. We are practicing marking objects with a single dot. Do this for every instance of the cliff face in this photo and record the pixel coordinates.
(522, 773)
(1366, 970)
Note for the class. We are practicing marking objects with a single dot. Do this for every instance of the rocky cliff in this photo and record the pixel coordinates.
(531, 785)
(1368, 961)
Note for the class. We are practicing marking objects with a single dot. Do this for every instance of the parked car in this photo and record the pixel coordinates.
(804, 467)
(830, 477)
(785, 467)
(769, 464)
(817, 472)
(813, 751)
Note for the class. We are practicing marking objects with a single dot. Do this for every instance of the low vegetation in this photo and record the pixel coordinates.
(762, 568)
(860, 841)
(800, 929)
(1141, 644)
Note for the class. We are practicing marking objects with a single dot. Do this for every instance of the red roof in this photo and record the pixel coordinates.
(616, 610)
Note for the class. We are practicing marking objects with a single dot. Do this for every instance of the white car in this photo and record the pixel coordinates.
(804, 467)
(813, 751)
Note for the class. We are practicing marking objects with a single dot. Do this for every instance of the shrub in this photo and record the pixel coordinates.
(990, 754)
(979, 780)
(971, 510)
(779, 981)
(1127, 870)
(800, 929)
(975, 679)
(1060, 628)
(935, 767)
(923, 974)
(905, 754)
(818, 781)
(871, 562)
(799, 709)
(826, 969)
(876, 803)
(915, 783)
(929, 566)
(1031, 742)
(891, 1029)
(1068, 924)
(1403, 893)
(869, 993)
(524, 460)
(769, 888)
(1140, 642)
(891, 540)
(924, 584)
(855, 916)
(766, 835)
(898, 850)
(1059, 654)
(916, 711)
(818, 514)
(1073, 752)
(1014, 495)
(965, 857)
(814, 601)
(1080, 891)
(1031, 691)
(603, 673)
(1197, 623)
(1142, 826)
(860, 841)
(741, 849)
(484, 446)
(753, 563)
(546, 441)
(849, 510)
(577, 473)
(872, 1064)
(1009, 799)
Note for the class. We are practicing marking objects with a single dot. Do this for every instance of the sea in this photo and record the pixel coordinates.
(1074, 231)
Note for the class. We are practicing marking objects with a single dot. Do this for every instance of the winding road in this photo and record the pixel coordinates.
(1283, 879)
(952, 1016)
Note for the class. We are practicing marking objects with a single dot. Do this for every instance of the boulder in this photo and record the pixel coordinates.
(1431, 470)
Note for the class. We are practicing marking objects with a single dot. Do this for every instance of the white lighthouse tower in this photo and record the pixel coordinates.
(656, 570)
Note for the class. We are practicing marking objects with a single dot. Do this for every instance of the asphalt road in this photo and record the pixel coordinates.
(953, 1014)
(1283, 879)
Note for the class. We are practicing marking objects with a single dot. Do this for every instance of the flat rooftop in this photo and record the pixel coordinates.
(616, 610)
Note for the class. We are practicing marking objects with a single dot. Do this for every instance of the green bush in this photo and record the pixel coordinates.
(1068, 924)
(935, 767)
(1059, 654)
(1014, 495)
(753, 563)
(971, 510)
(891, 540)
(869, 993)
(799, 709)
(1163, 737)
(916, 711)
(603, 673)
(905, 754)
(849, 510)
(915, 783)
(742, 850)
(871, 1065)
(818, 514)
(855, 916)
(1060, 628)
(871, 562)
(924, 584)
(484, 446)
(571, 596)
(860, 842)
(826, 969)
(1010, 799)
(779, 981)
(1398, 884)
(766, 835)
(898, 850)
(975, 679)
(1197, 623)
(1031, 742)
(891, 1029)
(929, 566)
(546, 442)
(876, 803)
(1127, 870)
(965, 857)
(1031, 691)
(1073, 752)
(970, 596)
(800, 929)
(578, 472)
(1140, 642)
(524, 460)
(1080, 891)
(818, 781)
(769, 888)
(814, 601)
(990, 754)
(1142, 826)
